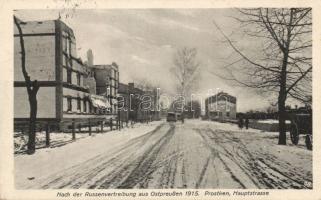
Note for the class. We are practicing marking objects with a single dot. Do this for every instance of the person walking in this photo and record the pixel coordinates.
(241, 122)
(247, 123)
(183, 117)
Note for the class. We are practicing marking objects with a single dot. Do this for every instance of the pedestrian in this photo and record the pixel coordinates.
(247, 123)
(111, 124)
(240, 122)
(182, 117)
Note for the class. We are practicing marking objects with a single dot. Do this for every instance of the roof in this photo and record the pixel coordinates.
(221, 96)
(45, 26)
(105, 66)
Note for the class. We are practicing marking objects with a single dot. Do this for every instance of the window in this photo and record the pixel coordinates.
(78, 79)
(227, 114)
(107, 91)
(69, 104)
(65, 42)
(69, 75)
(228, 108)
(69, 47)
(85, 106)
(90, 108)
(78, 104)
(213, 114)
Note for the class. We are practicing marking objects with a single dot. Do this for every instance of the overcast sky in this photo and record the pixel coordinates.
(142, 42)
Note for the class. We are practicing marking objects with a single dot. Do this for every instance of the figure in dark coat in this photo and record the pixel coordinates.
(247, 123)
(241, 122)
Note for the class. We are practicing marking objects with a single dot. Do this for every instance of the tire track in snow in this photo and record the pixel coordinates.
(200, 180)
(78, 175)
(184, 175)
(226, 154)
(239, 160)
(169, 173)
(258, 166)
(129, 176)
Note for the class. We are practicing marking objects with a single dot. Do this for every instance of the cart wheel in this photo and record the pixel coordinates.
(308, 141)
(294, 134)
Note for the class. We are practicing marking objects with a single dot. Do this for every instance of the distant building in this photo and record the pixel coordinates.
(138, 105)
(221, 106)
(51, 59)
(154, 110)
(123, 98)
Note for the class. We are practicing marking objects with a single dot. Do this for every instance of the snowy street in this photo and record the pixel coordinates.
(196, 154)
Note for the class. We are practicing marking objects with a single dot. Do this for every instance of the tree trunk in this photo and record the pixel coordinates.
(281, 101)
(282, 118)
(32, 89)
(73, 126)
(32, 123)
(47, 135)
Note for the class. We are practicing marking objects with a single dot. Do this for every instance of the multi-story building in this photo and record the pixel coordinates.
(51, 59)
(107, 80)
(221, 106)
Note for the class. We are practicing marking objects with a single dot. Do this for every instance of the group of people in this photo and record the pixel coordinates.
(242, 122)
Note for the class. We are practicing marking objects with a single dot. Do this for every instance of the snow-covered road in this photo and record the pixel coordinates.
(197, 154)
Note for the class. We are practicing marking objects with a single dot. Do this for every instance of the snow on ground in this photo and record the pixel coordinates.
(252, 157)
(196, 154)
(272, 121)
(57, 139)
(50, 160)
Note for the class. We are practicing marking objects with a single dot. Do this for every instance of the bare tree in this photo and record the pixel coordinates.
(283, 65)
(186, 70)
(32, 89)
(144, 84)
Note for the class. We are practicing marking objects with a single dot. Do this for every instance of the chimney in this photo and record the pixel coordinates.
(90, 57)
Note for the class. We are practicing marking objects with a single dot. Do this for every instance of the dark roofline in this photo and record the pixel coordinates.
(103, 66)
(63, 24)
(231, 98)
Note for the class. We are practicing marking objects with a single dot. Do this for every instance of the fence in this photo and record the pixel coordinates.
(64, 129)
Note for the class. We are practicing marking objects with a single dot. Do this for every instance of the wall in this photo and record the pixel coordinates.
(223, 107)
(46, 102)
(90, 82)
(40, 58)
(102, 80)
(40, 65)
(273, 127)
(107, 77)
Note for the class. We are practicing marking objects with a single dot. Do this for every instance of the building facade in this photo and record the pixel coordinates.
(51, 59)
(221, 106)
(107, 83)
(138, 105)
